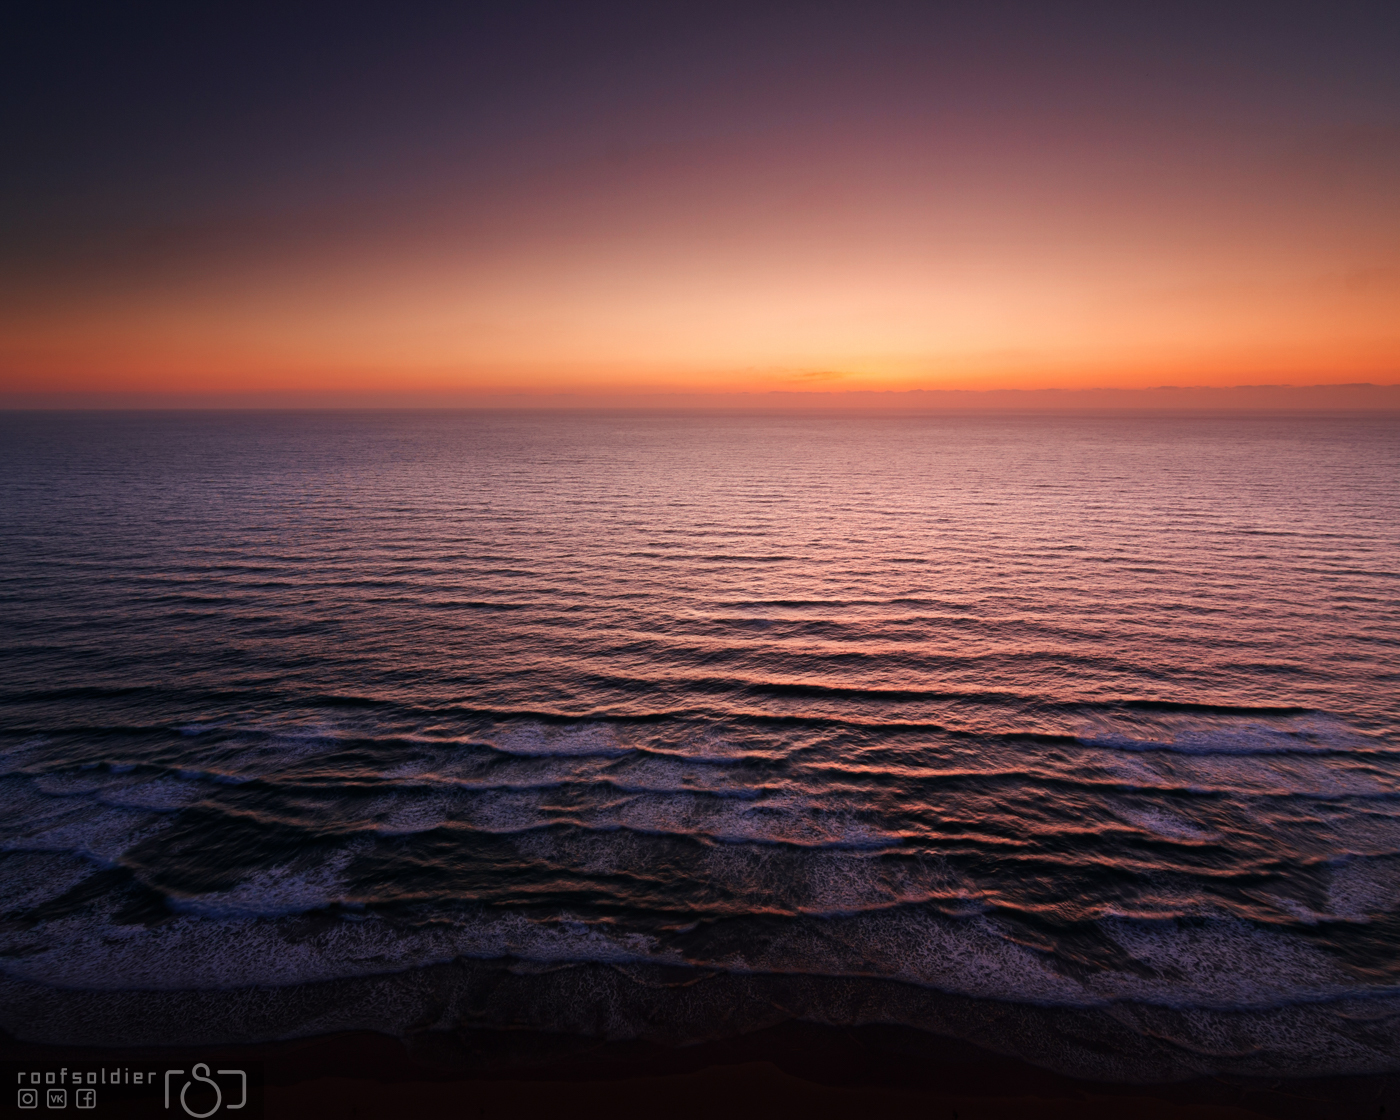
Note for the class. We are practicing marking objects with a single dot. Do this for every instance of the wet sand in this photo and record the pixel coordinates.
(792, 1070)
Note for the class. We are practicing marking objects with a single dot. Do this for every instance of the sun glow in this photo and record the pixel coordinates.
(869, 237)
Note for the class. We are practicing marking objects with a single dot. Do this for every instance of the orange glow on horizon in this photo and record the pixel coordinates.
(934, 252)
(882, 318)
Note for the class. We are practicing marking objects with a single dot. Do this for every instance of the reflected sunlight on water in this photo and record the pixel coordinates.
(1075, 711)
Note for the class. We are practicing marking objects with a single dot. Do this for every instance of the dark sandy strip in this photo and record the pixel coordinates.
(795, 1069)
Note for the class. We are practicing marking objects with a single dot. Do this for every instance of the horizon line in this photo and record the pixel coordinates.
(1349, 396)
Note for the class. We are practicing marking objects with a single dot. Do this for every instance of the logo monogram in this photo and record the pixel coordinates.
(200, 1072)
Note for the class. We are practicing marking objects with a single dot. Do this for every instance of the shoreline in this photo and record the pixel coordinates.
(687, 1007)
(791, 1069)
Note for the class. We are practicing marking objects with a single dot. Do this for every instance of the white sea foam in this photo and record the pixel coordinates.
(1224, 735)
(1312, 776)
(70, 783)
(1216, 964)
(262, 751)
(864, 917)
(670, 774)
(1363, 889)
(576, 741)
(162, 795)
(1163, 823)
(122, 789)
(1359, 890)
(1213, 965)
(405, 815)
(507, 811)
(629, 771)
(832, 883)
(852, 906)
(420, 765)
(715, 749)
(1375, 833)
(14, 759)
(223, 952)
(783, 819)
(787, 819)
(37, 821)
(28, 879)
(292, 888)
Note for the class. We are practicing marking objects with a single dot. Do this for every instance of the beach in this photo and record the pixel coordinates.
(795, 1069)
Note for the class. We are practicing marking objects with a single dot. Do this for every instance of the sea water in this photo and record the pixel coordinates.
(1073, 735)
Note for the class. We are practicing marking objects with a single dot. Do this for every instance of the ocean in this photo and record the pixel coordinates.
(1075, 736)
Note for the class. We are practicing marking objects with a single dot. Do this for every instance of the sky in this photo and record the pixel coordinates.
(594, 199)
